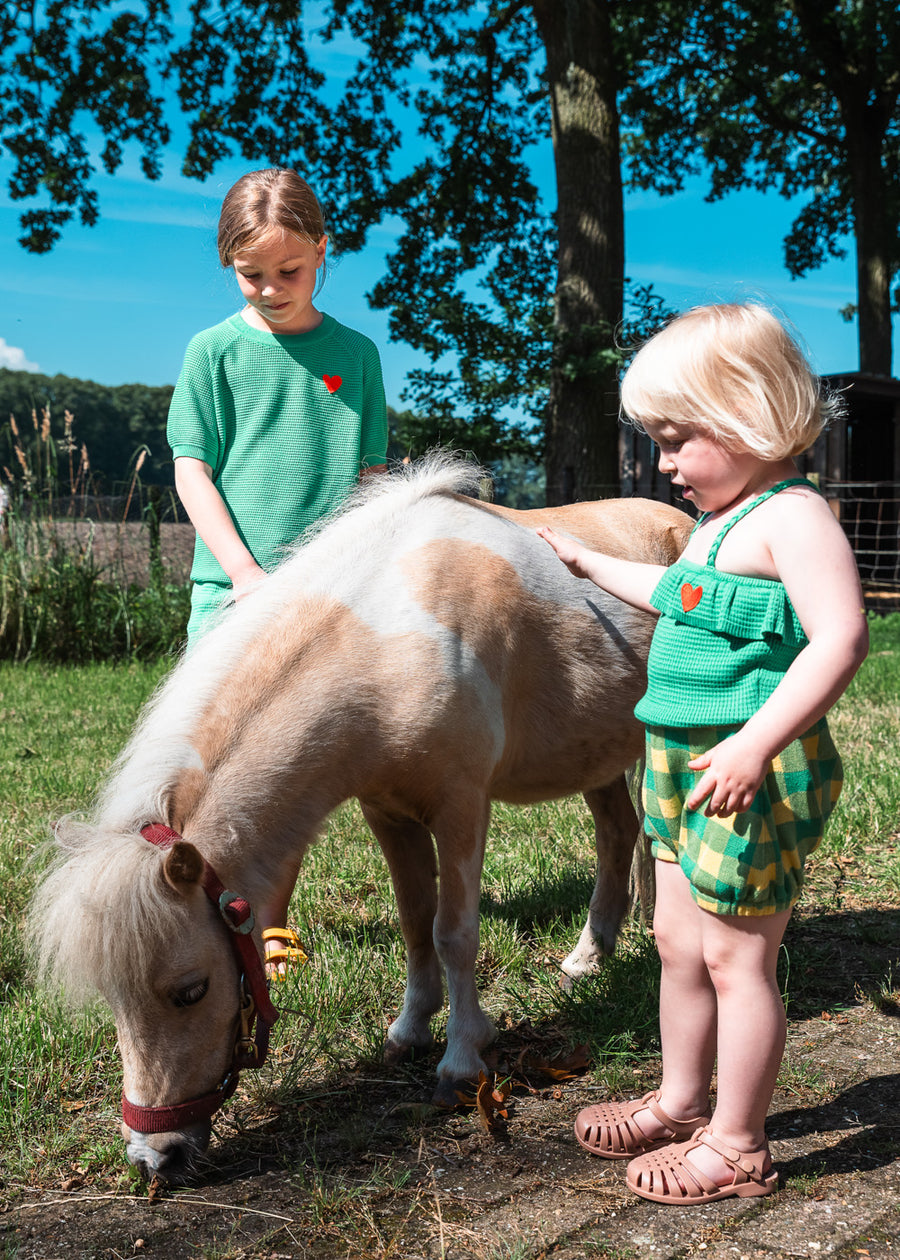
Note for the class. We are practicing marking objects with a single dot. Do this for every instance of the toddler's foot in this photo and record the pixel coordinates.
(701, 1171)
(622, 1130)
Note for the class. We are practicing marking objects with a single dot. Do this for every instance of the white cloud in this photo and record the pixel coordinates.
(14, 358)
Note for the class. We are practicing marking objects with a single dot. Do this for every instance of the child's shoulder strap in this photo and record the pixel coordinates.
(760, 498)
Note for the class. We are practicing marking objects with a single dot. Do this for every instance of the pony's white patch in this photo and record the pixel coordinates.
(139, 1152)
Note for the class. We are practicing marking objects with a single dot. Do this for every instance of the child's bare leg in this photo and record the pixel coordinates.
(273, 914)
(741, 954)
(687, 1003)
(687, 1006)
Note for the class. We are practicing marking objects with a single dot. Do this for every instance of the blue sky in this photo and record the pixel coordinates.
(118, 303)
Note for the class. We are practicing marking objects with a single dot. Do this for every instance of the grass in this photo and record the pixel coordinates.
(61, 727)
(58, 602)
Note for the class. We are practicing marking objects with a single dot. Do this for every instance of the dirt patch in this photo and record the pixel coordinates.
(121, 550)
(381, 1173)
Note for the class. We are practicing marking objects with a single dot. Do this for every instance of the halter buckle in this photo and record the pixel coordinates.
(246, 1050)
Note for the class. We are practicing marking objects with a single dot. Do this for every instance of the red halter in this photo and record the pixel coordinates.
(237, 916)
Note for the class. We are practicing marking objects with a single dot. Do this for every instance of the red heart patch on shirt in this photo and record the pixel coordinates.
(690, 596)
(332, 383)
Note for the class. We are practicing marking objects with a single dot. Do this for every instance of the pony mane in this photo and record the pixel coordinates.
(160, 748)
(98, 911)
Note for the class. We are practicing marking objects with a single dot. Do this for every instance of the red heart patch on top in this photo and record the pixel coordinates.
(690, 596)
(332, 383)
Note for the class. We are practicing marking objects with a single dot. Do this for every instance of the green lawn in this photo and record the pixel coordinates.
(60, 728)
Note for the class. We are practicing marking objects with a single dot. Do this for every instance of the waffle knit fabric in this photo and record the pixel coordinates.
(285, 422)
(723, 643)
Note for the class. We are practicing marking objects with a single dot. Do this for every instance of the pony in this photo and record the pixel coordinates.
(422, 651)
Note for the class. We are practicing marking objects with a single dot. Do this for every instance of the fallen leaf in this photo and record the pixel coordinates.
(490, 1102)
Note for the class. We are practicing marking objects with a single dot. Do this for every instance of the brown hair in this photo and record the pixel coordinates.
(265, 200)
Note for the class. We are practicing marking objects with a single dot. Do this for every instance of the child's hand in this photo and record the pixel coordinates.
(572, 554)
(249, 578)
(734, 771)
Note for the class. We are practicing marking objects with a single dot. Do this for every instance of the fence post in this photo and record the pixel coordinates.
(152, 512)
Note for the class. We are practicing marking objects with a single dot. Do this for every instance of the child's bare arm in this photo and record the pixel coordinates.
(814, 560)
(628, 580)
(212, 521)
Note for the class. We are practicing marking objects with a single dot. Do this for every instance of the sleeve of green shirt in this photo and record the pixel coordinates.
(192, 429)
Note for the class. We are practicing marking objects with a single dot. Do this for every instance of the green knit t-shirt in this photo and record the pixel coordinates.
(723, 641)
(285, 422)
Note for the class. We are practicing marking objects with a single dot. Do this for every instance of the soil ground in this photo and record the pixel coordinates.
(123, 548)
(281, 1183)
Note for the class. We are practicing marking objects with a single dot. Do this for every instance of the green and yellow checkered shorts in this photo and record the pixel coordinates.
(750, 863)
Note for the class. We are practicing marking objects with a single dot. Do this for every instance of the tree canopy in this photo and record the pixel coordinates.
(518, 304)
(796, 95)
(472, 276)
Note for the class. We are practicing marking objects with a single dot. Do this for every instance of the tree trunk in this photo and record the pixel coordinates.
(582, 422)
(874, 262)
(867, 102)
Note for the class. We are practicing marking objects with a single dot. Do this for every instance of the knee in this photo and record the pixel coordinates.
(672, 934)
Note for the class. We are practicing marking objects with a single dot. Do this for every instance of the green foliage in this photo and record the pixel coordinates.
(57, 602)
(58, 68)
(797, 96)
(111, 421)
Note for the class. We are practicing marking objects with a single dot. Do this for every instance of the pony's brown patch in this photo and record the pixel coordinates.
(545, 660)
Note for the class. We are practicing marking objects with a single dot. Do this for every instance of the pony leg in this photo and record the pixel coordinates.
(461, 840)
(615, 828)
(409, 852)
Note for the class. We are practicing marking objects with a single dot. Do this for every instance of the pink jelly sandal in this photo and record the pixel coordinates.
(666, 1176)
(610, 1129)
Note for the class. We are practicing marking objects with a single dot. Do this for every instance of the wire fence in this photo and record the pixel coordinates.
(869, 512)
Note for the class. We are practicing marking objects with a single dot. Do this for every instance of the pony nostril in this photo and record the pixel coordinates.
(175, 1163)
(169, 1158)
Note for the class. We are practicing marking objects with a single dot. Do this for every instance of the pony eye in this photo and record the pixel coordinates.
(190, 995)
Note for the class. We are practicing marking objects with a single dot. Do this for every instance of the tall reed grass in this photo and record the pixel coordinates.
(58, 602)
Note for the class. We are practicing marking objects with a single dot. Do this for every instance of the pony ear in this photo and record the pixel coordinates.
(183, 866)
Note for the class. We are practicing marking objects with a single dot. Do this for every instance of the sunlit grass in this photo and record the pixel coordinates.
(60, 729)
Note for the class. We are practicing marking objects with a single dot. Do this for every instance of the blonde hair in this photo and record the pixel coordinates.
(262, 202)
(734, 370)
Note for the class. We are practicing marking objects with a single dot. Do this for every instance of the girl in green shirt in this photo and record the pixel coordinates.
(279, 409)
(276, 414)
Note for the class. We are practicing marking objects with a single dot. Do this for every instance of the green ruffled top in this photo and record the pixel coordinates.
(723, 642)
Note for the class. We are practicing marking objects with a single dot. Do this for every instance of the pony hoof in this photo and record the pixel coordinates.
(451, 1093)
(580, 966)
(394, 1055)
